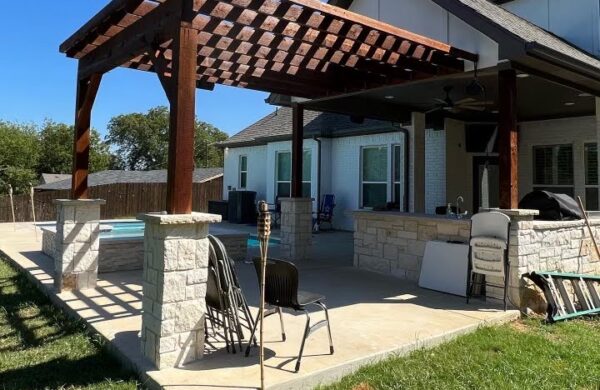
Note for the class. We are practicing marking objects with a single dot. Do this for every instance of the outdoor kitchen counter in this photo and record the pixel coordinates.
(394, 242)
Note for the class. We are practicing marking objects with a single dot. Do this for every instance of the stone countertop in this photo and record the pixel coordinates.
(397, 214)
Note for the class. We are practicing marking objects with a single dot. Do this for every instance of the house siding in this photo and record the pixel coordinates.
(427, 18)
(257, 166)
(580, 25)
(574, 131)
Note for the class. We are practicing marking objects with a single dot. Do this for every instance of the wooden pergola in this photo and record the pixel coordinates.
(301, 48)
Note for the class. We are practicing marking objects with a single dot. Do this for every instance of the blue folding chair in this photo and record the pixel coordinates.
(325, 214)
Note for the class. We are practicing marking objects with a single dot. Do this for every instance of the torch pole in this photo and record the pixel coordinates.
(12, 206)
(33, 211)
(264, 232)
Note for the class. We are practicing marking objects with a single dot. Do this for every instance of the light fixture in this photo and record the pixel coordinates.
(569, 104)
(523, 75)
(584, 94)
(390, 97)
(495, 111)
(408, 69)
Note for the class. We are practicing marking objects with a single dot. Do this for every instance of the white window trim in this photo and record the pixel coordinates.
(240, 171)
(534, 184)
(363, 182)
(394, 167)
(277, 181)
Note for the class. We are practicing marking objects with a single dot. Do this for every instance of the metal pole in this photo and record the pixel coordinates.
(264, 232)
(12, 206)
(33, 210)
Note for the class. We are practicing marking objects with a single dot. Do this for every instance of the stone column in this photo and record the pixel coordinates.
(174, 287)
(76, 243)
(296, 228)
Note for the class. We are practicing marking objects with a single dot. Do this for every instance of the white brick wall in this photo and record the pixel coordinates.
(435, 170)
(257, 166)
(575, 131)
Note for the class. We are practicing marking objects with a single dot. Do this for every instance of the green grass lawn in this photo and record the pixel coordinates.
(42, 349)
(521, 355)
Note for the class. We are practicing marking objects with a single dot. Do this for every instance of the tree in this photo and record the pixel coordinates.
(56, 149)
(141, 141)
(19, 153)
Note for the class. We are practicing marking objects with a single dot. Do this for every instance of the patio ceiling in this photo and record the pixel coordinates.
(296, 47)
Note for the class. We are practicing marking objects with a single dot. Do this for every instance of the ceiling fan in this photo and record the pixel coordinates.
(449, 105)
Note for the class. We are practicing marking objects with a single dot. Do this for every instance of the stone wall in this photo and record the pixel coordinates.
(128, 254)
(394, 243)
(563, 246)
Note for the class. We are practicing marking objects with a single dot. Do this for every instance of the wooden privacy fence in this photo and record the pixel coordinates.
(122, 200)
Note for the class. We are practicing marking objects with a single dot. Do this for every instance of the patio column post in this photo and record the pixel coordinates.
(296, 211)
(87, 89)
(297, 149)
(182, 120)
(508, 146)
(598, 136)
(417, 163)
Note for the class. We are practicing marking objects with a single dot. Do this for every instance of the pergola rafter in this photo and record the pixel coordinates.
(301, 48)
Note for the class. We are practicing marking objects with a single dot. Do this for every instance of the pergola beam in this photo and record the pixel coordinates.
(134, 40)
(87, 89)
(182, 122)
(508, 140)
(297, 149)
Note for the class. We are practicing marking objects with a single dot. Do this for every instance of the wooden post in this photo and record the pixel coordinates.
(182, 121)
(297, 149)
(508, 139)
(87, 90)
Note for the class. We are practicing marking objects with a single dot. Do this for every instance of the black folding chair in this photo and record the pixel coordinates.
(281, 291)
(224, 297)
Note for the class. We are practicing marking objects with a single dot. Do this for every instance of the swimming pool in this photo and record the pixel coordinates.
(133, 229)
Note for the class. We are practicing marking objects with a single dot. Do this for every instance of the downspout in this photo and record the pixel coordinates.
(318, 141)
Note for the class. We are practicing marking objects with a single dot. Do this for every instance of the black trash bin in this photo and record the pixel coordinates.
(242, 207)
(219, 207)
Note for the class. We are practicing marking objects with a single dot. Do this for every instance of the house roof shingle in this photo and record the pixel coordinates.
(201, 175)
(278, 125)
(520, 28)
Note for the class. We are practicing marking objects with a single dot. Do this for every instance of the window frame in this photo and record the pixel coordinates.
(289, 183)
(241, 171)
(402, 171)
(387, 169)
(587, 185)
(542, 186)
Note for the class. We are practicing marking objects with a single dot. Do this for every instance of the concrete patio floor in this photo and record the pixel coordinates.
(373, 317)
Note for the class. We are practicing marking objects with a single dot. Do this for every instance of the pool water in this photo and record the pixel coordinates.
(135, 229)
(123, 230)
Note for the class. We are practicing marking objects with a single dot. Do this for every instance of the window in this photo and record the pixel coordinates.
(374, 176)
(553, 168)
(243, 172)
(283, 174)
(591, 176)
(399, 176)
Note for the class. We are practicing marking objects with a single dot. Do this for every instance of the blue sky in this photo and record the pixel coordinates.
(38, 82)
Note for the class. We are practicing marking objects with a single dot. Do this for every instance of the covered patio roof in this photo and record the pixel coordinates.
(297, 47)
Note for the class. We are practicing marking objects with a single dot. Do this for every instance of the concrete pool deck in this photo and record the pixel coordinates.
(373, 317)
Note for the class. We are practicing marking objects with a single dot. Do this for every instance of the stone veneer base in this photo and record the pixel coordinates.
(174, 287)
(76, 243)
(296, 228)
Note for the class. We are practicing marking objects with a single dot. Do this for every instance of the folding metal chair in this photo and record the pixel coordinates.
(224, 297)
(325, 214)
(281, 291)
(488, 250)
